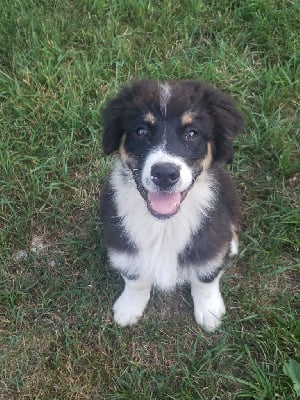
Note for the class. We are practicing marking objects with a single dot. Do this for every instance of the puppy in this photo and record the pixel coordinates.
(169, 210)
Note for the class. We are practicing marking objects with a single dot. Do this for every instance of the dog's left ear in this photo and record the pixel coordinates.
(228, 122)
(112, 117)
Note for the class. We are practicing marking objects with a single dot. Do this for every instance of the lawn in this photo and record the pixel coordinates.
(60, 61)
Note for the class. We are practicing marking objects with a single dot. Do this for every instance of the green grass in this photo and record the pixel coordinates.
(60, 62)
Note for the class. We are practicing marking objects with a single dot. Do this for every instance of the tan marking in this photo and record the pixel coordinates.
(149, 117)
(207, 160)
(187, 117)
(125, 157)
(234, 230)
(235, 240)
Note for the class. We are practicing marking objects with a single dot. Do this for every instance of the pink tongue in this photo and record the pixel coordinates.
(164, 203)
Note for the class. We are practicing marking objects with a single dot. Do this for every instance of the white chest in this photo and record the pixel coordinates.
(159, 242)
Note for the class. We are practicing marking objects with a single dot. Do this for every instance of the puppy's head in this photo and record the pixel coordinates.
(167, 135)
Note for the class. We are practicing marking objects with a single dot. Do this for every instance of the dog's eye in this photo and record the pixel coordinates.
(191, 135)
(141, 132)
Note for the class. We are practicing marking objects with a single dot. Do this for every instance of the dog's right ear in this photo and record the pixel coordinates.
(112, 117)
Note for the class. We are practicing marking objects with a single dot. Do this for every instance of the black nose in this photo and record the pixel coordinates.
(165, 175)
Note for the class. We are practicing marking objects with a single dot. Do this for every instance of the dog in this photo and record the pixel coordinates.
(169, 210)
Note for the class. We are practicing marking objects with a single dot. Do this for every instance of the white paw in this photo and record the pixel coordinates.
(208, 314)
(128, 310)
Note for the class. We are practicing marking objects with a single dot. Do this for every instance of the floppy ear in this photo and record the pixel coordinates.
(112, 117)
(228, 122)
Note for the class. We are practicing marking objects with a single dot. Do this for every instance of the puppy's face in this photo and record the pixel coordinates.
(167, 135)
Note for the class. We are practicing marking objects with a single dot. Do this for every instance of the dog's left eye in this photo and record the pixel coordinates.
(141, 132)
(191, 135)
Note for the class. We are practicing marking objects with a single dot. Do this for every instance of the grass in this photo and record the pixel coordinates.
(60, 62)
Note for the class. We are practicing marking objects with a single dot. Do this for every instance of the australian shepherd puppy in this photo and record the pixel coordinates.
(169, 210)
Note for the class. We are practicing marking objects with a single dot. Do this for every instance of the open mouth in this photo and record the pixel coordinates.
(163, 204)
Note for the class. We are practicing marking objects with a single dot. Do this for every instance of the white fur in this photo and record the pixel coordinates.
(154, 262)
(160, 156)
(164, 96)
(234, 247)
(208, 303)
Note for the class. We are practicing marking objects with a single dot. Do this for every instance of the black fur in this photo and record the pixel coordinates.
(114, 232)
(216, 231)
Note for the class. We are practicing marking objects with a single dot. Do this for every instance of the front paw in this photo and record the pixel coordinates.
(128, 312)
(208, 314)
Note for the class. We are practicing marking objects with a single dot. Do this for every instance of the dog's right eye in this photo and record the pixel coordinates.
(191, 135)
(141, 132)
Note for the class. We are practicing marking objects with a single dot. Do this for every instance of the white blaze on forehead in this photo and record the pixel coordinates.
(164, 96)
